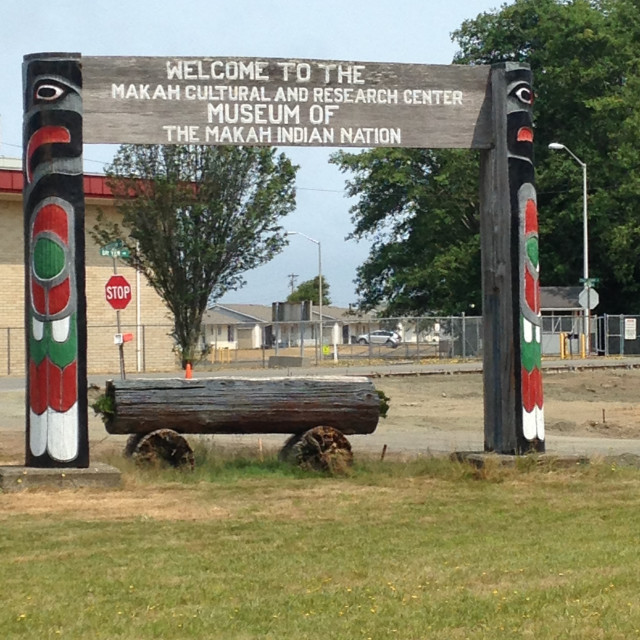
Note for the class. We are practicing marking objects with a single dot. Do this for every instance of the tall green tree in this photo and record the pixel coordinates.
(586, 67)
(195, 218)
(310, 290)
(420, 208)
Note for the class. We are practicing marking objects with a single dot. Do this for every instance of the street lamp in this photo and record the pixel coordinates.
(304, 235)
(557, 146)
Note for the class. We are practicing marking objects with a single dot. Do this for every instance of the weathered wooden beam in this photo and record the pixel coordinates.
(497, 283)
(242, 405)
(270, 101)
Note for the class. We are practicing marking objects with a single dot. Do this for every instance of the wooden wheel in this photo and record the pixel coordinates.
(132, 444)
(164, 447)
(321, 449)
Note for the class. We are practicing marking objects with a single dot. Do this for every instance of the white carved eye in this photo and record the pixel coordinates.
(524, 94)
(48, 92)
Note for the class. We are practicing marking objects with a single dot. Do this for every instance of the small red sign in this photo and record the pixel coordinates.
(118, 292)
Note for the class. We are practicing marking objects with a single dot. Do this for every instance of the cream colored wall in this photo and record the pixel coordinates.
(217, 336)
(153, 352)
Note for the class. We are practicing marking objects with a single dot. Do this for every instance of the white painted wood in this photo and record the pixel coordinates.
(62, 434)
(37, 433)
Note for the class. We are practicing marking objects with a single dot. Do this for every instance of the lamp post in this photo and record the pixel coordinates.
(304, 235)
(557, 146)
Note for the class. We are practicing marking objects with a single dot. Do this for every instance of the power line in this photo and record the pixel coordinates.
(104, 163)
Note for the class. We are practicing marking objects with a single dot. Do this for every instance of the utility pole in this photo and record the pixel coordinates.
(587, 282)
(292, 281)
(317, 242)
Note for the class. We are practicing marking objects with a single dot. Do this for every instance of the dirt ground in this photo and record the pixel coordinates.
(428, 412)
(582, 403)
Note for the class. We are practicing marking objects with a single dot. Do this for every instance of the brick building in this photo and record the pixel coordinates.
(146, 316)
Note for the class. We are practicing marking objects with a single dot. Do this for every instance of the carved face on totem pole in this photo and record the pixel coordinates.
(54, 240)
(524, 213)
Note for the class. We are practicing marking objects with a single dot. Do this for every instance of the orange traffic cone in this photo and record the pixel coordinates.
(187, 371)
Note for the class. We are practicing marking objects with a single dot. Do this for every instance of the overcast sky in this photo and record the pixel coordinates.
(410, 31)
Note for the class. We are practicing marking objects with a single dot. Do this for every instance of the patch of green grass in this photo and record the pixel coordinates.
(427, 549)
(213, 464)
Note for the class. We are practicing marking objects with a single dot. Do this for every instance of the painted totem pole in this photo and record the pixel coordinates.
(524, 212)
(55, 305)
(513, 406)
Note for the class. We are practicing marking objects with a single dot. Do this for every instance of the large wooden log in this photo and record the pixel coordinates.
(242, 405)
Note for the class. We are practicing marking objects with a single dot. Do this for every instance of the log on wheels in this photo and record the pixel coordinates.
(318, 411)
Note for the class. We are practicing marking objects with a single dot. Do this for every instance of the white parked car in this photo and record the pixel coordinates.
(381, 336)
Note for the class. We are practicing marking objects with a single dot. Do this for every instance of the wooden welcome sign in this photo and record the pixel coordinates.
(284, 102)
(70, 100)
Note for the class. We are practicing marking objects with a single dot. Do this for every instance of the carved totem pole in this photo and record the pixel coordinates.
(55, 305)
(514, 416)
(524, 212)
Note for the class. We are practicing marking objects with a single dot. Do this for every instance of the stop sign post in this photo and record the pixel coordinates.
(117, 291)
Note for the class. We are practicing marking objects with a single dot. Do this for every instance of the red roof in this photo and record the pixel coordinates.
(11, 181)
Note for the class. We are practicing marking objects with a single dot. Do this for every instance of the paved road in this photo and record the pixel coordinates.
(410, 444)
(401, 368)
(405, 442)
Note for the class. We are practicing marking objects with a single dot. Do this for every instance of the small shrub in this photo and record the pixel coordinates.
(384, 403)
(104, 406)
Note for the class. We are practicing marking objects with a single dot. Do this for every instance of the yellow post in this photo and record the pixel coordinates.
(563, 346)
(583, 345)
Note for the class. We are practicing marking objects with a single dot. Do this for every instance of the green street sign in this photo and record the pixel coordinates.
(115, 253)
(115, 249)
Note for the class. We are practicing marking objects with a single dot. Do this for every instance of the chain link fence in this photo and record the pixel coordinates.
(149, 349)
(617, 335)
(387, 340)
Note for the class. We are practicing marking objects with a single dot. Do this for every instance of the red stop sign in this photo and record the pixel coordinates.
(118, 292)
